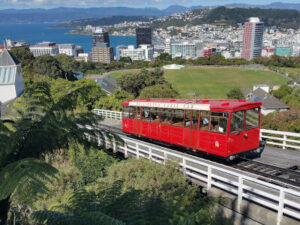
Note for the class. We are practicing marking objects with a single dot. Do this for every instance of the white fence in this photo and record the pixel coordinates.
(109, 114)
(282, 200)
(279, 138)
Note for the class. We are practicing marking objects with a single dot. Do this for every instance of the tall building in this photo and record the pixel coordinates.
(143, 36)
(100, 36)
(148, 52)
(11, 80)
(253, 38)
(102, 53)
(168, 44)
(44, 48)
(183, 50)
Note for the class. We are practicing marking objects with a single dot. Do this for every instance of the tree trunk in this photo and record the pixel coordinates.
(4, 207)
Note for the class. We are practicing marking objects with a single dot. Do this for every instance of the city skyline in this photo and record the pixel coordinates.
(161, 4)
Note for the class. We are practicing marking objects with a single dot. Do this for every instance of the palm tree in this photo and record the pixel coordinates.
(42, 126)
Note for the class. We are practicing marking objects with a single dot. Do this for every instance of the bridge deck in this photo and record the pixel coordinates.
(271, 155)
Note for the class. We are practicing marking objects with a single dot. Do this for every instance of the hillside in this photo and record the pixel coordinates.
(64, 14)
(110, 20)
(271, 17)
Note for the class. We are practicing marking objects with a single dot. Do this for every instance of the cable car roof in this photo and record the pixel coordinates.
(193, 104)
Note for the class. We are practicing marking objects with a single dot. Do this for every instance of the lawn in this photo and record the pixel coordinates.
(293, 72)
(215, 82)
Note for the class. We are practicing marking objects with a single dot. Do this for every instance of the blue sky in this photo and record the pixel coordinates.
(129, 3)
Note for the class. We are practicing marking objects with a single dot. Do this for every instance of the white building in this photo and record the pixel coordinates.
(149, 52)
(68, 49)
(168, 44)
(83, 57)
(185, 50)
(44, 48)
(11, 80)
(134, 53)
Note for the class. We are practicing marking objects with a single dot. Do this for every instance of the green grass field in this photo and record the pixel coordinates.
(293, 72)
(215, 82)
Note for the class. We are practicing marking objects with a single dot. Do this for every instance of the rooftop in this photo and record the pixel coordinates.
(7, 59)
(199, 104)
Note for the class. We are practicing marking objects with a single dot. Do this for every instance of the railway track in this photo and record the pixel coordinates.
(271, 173)
(286, 177)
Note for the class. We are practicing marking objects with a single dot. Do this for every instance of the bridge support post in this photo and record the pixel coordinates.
(240, 193)
(208, 177)
(280, 206)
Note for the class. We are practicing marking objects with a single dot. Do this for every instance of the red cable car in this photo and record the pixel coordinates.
(226, 128)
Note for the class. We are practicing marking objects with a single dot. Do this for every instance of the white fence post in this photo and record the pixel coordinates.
(208, 177)
(114, 145)
(125, 151)
(150, 153)
(184, 166)
(284, 142)
(240, 192)
(137, 151)
(165, 157)
(280, 206)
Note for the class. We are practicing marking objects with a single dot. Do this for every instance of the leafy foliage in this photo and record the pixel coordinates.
(235, 93)
(158, 91)
(113, 102)
(135, 192)
(134, 83)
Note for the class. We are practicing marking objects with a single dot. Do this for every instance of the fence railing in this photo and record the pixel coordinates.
(278, 138)
(109, 114)
(281, 138)
(282, 200)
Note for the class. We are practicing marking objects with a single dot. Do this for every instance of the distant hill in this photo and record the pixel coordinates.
(110, 20)
(271, 17)
(63, 14)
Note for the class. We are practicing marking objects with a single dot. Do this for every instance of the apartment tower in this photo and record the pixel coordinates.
(253, 38)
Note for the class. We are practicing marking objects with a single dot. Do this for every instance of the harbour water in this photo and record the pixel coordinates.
(34, 33)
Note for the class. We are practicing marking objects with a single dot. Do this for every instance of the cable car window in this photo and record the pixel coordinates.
(132, 112)
(138, 115)
(155, 115)
(237, 122)
(195, 115)
(178, 118)
(204, 120)
(252, 118)
(187, 119)
(146, 114)
(166, 116)
(218, 122)
(125, 112)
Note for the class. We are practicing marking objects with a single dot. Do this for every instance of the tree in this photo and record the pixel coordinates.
(283, 91)
(67, 63)
(48, 66)
(158, 91)
(43, 125)
(126, 59)
(164, 57)
(134, 83)
(134, 192)
(26, 58)
(235, 93)
(114, 101)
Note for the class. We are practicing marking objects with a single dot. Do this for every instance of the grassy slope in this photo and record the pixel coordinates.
(209, 82)
(216, 82)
